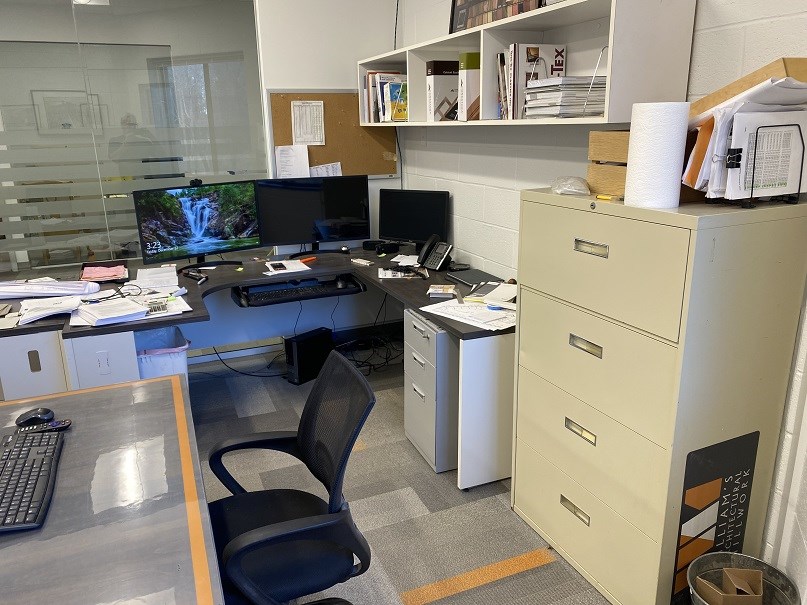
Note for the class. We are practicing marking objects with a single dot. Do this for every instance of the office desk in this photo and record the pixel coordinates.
(128, 521)
(486, 358)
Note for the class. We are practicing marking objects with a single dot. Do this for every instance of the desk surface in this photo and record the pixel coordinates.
(411, 292)
(128, 521)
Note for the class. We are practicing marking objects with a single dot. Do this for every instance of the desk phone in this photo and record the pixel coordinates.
(435, 254)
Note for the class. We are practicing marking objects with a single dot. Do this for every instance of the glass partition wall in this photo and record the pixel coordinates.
(99, 98)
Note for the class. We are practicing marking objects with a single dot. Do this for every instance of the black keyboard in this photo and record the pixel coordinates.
(272, 294)
(28, 466)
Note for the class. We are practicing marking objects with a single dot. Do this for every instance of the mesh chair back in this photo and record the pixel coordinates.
(334, 413)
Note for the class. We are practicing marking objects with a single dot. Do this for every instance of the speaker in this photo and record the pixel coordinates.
(306, 353)
(387, 248)
(370, 244)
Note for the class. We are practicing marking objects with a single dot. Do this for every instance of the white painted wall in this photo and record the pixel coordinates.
(485, 168)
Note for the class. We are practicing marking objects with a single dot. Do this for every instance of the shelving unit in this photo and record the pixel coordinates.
(647, 58)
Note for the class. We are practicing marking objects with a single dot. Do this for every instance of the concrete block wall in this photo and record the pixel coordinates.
(485, 168)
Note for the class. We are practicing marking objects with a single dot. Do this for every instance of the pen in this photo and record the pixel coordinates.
(202, 280)
(610, 198)
(308, 259)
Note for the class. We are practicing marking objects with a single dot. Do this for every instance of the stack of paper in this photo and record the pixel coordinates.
(566, 97)
(110, 311)
(38, 308)
(734, 125)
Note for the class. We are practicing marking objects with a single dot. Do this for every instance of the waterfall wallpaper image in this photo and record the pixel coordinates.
(194, 221)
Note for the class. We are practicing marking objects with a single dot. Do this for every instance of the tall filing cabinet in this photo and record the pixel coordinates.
(654, 352)
(431, 368)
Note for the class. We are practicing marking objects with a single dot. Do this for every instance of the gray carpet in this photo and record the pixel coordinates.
(431, 542)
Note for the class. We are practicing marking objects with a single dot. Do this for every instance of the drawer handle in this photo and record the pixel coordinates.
(423, 333)
(581, 431)
(585, 345)
(420, 362)
(593, 248)
(575, 510)
(419, 393)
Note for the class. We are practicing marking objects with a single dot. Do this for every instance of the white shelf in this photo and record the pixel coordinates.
(646, 60)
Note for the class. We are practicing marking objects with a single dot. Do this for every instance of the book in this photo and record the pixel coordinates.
(396, 102)
(468, 89)
(382, 81)
(442, 81)
(441, 290)
(501, 65)
(528, 62)
(372, 94)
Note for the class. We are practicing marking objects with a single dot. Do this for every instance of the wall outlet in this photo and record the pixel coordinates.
(103, 362)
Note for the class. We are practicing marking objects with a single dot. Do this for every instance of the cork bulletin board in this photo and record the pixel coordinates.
(361, 150)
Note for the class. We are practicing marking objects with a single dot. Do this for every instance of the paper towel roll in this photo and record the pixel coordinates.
(658, 133)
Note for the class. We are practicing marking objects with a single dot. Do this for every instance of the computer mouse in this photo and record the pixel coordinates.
(344, 250)
(35, 416)
(341, 282)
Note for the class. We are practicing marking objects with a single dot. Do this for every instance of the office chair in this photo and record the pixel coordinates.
(280, 544)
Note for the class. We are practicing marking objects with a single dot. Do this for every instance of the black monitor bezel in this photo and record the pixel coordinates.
(445, 195)
(301, 241)
(154, 261)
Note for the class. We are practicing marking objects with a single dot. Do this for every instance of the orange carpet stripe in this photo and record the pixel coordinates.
(477, 577)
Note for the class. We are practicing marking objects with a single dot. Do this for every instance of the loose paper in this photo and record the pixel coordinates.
(474, 314)
(308, 122)
(332, 169)
(291, 266)
(292, 161)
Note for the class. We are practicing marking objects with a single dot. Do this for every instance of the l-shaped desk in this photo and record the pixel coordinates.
(88, 357)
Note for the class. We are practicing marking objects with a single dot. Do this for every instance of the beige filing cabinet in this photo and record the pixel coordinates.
(654, 352)
(431, 368)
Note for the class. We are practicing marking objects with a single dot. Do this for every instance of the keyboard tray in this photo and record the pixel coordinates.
(295, 290)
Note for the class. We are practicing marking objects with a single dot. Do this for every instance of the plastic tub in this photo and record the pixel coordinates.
(777, 588)
(161, 352)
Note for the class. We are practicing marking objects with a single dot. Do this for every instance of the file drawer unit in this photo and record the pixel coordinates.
(654, 353)
(431, 398)
(33, 365)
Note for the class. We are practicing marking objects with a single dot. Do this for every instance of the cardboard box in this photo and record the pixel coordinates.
(739, 587)
(789, 67)
(608, 165)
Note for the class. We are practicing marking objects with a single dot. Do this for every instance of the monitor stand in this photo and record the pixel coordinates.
(314, 250)
(202, 263)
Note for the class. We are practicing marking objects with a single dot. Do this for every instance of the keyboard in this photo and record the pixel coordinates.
(272, 294)
(28, 464)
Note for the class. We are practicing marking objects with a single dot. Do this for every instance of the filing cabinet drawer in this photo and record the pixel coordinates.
(422, 336)
(420, 371)
(619, 556)
(419, 419)
(630, 270)
(620, 467)
(626, 375)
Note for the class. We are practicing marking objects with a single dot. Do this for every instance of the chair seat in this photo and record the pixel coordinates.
(288, 570)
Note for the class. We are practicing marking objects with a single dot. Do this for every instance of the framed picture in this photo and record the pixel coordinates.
(95, 116)
(18, 117)
(60, 111)
(466, 14)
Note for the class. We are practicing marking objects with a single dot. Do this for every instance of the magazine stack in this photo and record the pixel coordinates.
(565, 97)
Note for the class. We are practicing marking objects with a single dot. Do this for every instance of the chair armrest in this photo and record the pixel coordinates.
(335, 527)
(281, 441)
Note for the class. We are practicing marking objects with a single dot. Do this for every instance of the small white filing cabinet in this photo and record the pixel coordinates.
(431, 370)
(100, 360)
(653, 347)
(33, 364)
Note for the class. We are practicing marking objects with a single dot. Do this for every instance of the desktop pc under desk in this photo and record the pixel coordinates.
(484, 380)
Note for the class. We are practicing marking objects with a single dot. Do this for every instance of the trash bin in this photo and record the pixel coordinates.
(777, 588)
(162, 352)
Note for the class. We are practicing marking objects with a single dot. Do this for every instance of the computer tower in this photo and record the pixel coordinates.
(305, 354)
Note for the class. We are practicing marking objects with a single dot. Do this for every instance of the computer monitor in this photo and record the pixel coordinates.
(185, 222)
(412, 215)
(313, 210)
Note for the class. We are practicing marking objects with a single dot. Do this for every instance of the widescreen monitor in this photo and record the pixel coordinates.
(313, 210)
(412, 215)
(185, 222)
